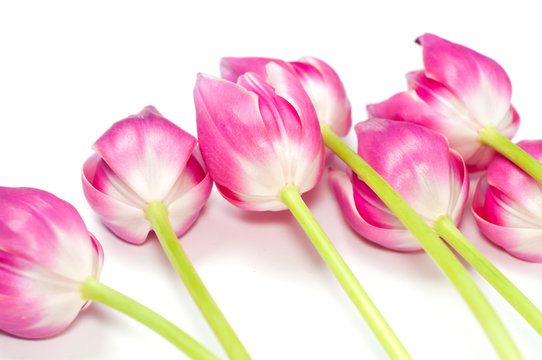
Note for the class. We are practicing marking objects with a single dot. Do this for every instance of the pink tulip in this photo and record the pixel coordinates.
(141, 159)
(257, 136)
(418, 164)
(319, 80)
(458, 93)
(46, 253)
(507, 205)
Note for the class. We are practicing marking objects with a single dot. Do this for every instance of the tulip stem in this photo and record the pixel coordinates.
(490, 136)
(395, 349)
(431, 243)
(92, 289)
(445, 228)
(156, 212)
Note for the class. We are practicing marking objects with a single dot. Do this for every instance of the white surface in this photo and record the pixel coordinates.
(69, 69)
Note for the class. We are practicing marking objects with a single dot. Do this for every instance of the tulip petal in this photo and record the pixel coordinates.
(521, 242)
(477, 80)
(124, 220)
(399, 239)
(416, 165)
(233, 67)
(147, 152)
(327, 93)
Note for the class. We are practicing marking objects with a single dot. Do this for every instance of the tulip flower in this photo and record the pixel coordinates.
(433, 179)
(319, 80)
(261, 142)
(465, 96)
(507, 206)
(418, 164)
(49, 268)
(145, 176)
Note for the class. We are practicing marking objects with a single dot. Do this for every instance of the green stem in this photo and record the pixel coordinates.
(493, 138)
(431, 243)
(92, 289)
(156, 212)
(445, 227)
(291, 197)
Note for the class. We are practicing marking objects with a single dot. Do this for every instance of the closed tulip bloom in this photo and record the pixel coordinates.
(319, 80)
(46, 253)
(141, 159)
(507, 206)
(257, 136)
(459, 93)
(418, 164)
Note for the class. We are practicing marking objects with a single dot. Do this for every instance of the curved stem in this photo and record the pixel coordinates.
(431, 243)
(156, 212)
(395, 349)
(493, 138)
(445, 227)
(92, 289)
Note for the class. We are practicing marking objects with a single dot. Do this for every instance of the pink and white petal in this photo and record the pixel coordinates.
(395, 239)
(407, 106)
(40, 227)
(233, 67)
(477, 80)
(146, 151)
(327, 93)
(416, 165)
(252, 202)
(523, 243)
(126, 221)
(184, 210)
(39, 302)
(193, 174)
(459, 190)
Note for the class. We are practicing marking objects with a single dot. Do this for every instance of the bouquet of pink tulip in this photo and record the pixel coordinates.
(264, 130)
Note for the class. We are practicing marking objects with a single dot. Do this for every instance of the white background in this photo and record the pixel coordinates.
(68, 70)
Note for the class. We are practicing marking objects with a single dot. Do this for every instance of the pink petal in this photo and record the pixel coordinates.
(521, 242)
(327, 93)
(124, 219)
(472, 77)
(416, 163)
(147, 152)
(188, 196)
(407, 106)
(231, 67)
(392, 238)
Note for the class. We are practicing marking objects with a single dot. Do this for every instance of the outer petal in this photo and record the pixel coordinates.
(477, 80)
(515, 197)
(190, 194)
(45, 254)
(123, 218)
(407, 106)
(327, 93)
(416, 163)
(147, 152)
(521, 242)
(392, 238)
(232, 67)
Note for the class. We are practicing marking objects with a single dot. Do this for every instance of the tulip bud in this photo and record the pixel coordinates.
(46, 253)
(258, 136)
(141, 159)
(319, 80)
(458, 93)
(507, 206)
(418, 164)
